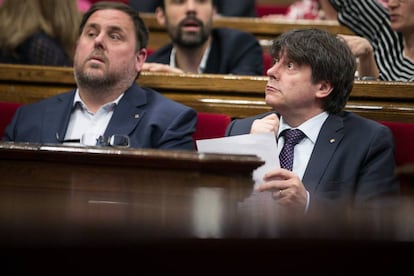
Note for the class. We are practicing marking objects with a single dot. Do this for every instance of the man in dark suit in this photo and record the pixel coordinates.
(199, 48)
(344, 160)
(109, 56)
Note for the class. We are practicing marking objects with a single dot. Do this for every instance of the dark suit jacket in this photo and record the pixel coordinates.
(240, 8)
(148, 118)
(352, 162)
(232, 52)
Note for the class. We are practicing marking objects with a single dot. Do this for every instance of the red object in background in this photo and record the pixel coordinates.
(262, 10)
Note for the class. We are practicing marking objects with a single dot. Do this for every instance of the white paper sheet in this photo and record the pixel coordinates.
(263, 145)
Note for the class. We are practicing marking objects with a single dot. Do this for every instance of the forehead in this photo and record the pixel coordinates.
(111, 18)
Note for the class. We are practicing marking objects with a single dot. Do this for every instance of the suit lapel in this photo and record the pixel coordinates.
(57, 115)
(128, 113)
(329, 138)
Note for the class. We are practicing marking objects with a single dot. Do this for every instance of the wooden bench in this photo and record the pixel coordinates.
(264, 29)
(236, 96)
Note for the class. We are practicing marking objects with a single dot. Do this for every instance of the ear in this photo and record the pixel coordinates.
(325, 88)
(140, 58)
(160, 16)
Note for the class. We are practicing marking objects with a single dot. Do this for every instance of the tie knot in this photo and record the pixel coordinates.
(293, 136)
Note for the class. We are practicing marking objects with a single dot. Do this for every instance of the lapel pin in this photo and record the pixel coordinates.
(136, 116)
(332, 141)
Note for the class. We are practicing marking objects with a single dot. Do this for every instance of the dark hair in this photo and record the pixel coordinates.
(328, 56)
(141, 29)
(162, 3)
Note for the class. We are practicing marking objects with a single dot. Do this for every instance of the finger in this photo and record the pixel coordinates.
(277, 194)
(279, 173)
(274, 185)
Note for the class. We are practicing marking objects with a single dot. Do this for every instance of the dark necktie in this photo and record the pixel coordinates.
(292, 137)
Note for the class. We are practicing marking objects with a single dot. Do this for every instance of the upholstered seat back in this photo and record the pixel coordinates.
(7, 111)
(211, 125)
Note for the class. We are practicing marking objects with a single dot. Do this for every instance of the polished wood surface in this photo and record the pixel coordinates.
(157, 194)
(70, 210)
(168, 193)
(237, 96)
(264, 29)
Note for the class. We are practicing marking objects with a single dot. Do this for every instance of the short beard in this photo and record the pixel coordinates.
(190, 43)
(92, 82)
(195, 41)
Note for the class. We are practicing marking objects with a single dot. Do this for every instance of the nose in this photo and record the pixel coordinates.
(273, 72)
(99, 40)
(190, 6)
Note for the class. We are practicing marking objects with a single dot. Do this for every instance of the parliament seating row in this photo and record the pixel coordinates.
(213, 125)
(236, 96)
(233, 96)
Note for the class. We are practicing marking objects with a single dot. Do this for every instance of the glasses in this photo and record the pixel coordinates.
(92, 139)
(115, 140)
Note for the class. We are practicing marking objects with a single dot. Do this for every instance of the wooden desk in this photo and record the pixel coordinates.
(264, 29)
(65, 210)
(51, 193)
(237, 96)
(55, 189)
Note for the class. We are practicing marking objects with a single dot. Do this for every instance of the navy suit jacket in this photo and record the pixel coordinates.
(231, 52)
(147, 117)
(239, 8)
(352, 162)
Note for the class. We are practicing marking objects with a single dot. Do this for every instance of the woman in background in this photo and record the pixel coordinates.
(38, 32)
(388, 26)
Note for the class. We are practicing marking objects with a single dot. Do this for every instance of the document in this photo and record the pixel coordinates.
(258, 212)
(262, 145)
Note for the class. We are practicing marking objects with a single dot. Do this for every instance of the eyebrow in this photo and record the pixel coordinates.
(111, 28)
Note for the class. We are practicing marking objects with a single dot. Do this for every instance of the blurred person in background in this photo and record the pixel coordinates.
(197, 47)
(385, 35)
(38, 32)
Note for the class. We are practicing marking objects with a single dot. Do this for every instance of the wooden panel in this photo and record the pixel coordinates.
(237, 96)
(156, 188)
(120, 211)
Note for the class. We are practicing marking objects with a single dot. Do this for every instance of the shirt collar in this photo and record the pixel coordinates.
(77, 101)
(311, 127)
(201, 66)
